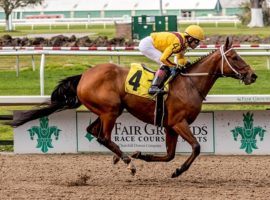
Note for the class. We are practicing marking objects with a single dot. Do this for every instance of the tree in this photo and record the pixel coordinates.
(256, 13)
(10, 5)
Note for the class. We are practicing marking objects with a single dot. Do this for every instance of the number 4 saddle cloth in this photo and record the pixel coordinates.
(139, 80)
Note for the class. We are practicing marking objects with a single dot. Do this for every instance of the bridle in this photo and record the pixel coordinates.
(223, 57)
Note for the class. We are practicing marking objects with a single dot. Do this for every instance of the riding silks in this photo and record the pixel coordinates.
(139, 80)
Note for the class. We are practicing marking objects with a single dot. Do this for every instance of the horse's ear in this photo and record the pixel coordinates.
(228, 43)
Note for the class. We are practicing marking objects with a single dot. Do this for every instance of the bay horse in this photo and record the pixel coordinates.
(101, 89)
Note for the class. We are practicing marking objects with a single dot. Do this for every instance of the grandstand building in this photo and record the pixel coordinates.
(120, 8)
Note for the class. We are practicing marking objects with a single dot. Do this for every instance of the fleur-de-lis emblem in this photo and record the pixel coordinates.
(248, 133)
(44, 134)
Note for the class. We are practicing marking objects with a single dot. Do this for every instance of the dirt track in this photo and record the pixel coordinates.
(94, 177)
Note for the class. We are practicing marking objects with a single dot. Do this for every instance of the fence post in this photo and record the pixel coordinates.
(268, 60)
(41, 74)
(111, 59)
(33, 63)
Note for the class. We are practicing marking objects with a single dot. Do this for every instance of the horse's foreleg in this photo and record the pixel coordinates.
(171, 141)
(116, 159)
(182, 129)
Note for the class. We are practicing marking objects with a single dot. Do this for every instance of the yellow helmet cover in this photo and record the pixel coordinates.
(195, 31)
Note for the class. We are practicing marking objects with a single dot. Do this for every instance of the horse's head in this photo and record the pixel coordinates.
(233, 65)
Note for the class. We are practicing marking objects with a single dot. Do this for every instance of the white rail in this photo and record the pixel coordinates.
(22, 100)
(131, 48)
(43, 54)
(112, 20)
(210, 99)
(110, 53)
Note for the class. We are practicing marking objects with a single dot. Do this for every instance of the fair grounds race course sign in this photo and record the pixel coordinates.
(131, 135)
(219, 132)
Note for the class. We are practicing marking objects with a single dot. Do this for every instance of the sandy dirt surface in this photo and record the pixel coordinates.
(92, 176)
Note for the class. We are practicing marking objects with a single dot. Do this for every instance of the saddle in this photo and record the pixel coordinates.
(138, 83)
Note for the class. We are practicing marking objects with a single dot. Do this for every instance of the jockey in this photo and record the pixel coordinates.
(160, 46)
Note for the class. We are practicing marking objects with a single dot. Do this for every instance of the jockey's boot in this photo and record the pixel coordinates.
(160, 78)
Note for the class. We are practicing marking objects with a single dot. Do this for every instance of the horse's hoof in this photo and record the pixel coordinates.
(116, 159)
(132, 168)
(136, 155)
(176, 173)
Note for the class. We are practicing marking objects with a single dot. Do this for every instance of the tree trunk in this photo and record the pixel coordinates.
(8, 22)
(256, 14)
(256, 18)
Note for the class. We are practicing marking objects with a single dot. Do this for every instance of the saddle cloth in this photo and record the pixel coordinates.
(139, 80)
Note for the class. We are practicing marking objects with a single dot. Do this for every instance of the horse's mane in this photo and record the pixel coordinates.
(202, 57)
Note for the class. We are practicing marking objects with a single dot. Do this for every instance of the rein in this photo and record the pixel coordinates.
(223, 58)
(194, 86)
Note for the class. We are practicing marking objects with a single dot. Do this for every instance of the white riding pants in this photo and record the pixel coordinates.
(147, 48)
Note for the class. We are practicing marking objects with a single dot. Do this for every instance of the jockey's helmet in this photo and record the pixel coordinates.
(195, 31)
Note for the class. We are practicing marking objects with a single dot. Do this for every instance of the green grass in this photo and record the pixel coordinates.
(232, 86)
(6, 148)
(98, 30)
(59, 67)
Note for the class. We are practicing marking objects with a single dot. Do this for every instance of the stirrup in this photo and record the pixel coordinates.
(155, 90)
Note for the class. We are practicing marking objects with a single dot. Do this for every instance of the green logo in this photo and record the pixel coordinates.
(44, 134)
(248, 133)
(89, 136)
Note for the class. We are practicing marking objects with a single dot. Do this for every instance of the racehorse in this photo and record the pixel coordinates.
(101, 89)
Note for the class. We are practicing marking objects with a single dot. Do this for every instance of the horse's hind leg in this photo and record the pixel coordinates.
(171, 141)
(95, 128)
(104, 138)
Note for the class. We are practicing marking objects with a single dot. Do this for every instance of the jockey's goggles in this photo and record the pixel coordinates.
(196, 41)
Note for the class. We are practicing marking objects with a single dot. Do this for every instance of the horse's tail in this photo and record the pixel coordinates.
(63, 97)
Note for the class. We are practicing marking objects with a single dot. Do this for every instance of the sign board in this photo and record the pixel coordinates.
(53, 134)
(242, 132)
(219, 132)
